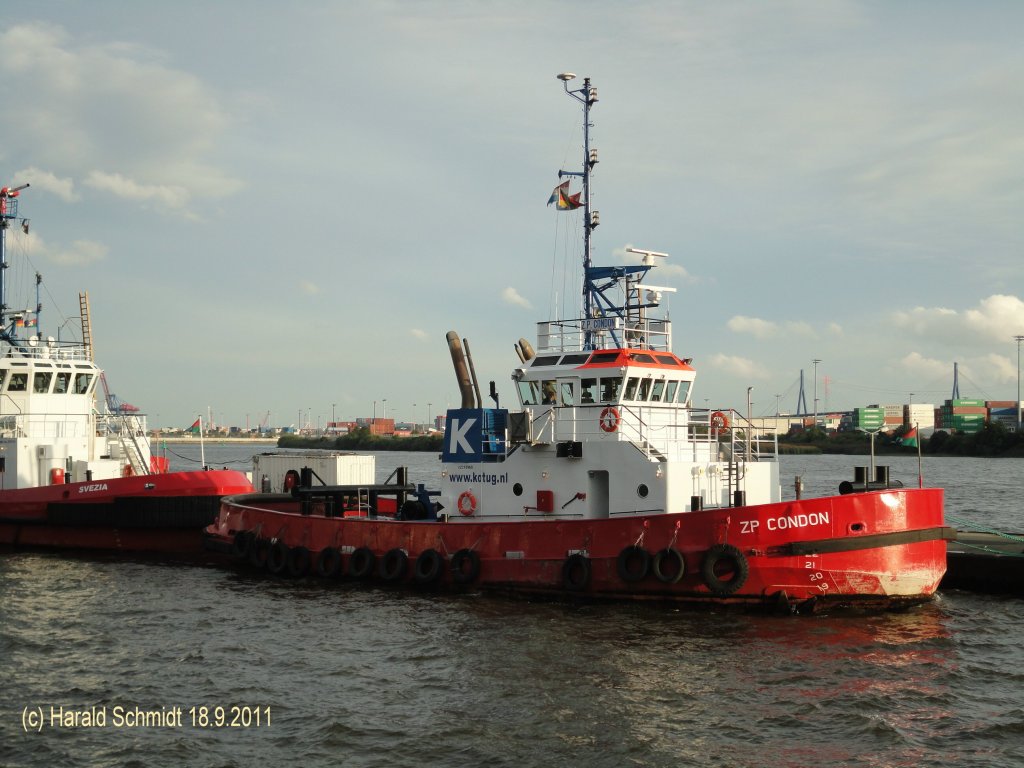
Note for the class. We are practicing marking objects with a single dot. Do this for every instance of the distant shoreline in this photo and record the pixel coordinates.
(218, 440)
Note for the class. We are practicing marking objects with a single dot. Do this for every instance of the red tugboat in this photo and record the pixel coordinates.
(605, 483)
(76, 469)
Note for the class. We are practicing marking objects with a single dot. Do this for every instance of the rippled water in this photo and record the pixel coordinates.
(368, 676)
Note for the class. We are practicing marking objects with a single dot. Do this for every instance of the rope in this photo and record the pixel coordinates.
(198, 461)
(974, 528)
(989, 550)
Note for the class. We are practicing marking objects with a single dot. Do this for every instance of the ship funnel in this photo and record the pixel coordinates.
(461, 370)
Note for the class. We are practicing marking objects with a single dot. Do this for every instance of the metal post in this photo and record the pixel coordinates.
(1019, 339)
(816, 361)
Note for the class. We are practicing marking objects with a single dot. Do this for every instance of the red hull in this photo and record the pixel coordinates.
(870, 549)
(163, 513)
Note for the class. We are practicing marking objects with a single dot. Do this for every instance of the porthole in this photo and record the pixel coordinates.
(517, 489)
(642, 490)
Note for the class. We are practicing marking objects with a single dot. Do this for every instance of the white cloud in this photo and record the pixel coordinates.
(81, 253)
(116, 184)
(755, 326)
(739, 366)
(996, 318)
(923, 368)
(419, 334)
(48, 182)
(309, 288)
(153, 129)
(511, 296)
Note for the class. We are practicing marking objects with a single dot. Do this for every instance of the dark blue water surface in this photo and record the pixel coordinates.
(363, 676)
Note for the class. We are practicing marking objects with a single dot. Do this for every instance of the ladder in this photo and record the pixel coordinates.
(83, 304)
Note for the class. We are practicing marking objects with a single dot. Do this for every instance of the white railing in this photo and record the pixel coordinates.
(568, 336)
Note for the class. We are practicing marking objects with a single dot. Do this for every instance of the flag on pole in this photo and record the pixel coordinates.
(194, 429)
(563, 200)
(910, 438)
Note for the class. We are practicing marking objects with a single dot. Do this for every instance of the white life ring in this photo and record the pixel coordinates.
(466, 503)
(609, 419)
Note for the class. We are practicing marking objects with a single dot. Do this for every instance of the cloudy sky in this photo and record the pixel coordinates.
(284, 208)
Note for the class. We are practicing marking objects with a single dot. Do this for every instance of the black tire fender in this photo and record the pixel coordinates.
(328, 562)
(361, 563)
(393, 565)
(634, 564)
(428, 566)
(259, 552)
(734, 562)
(465, 566)
(576, 572)
(277, 559)
(669, 565)
(299, 561)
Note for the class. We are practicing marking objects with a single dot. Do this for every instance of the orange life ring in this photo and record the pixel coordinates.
(466, 503)
(609, 419)
(719, 422)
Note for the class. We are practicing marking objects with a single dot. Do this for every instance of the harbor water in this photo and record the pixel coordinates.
(198, 665)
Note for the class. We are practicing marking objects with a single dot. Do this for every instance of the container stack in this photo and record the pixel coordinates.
(967, 416)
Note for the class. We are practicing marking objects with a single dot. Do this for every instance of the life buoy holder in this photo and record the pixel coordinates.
(466, 503)
(725, 569)
(127, 471)
(291, 480)
(609, 419)
(719, 423)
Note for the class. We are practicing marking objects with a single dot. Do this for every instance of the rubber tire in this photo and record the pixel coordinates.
(259, 552)
(299, 562)
(459, 573)
(629, 556)
(394, 565)
(241, 543)
(740, 569)
(429, 566)
(277, 560)
(659, 559)
(576, 572)
(328, 562)
(361, 563)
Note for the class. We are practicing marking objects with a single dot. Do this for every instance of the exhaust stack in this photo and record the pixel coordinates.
(461, 370)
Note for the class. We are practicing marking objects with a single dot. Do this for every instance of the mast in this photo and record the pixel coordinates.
(587, 96)
(8, 213)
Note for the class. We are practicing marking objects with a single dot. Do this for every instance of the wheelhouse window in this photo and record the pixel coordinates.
(684, 391)
(610, 389)
(645, 389)
(631, 385)
(82, 382)
(588, 391)
(658, 391)
(670, 391)
(529, 392)
(548, 392)
(567, 394)
(41, 382)
(18, 382)
(61, 385)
